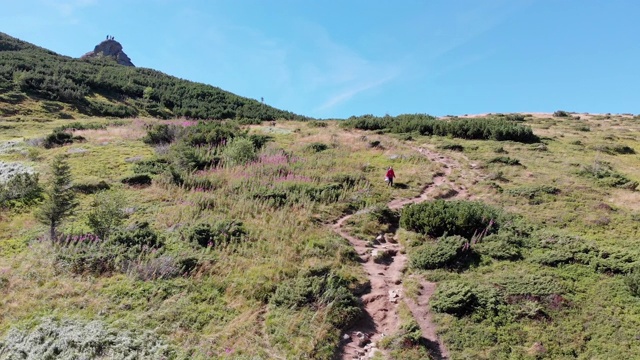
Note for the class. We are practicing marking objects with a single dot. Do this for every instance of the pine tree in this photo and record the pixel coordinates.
(60, 198)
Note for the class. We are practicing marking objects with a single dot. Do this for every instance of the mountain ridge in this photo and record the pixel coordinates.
(99, 86)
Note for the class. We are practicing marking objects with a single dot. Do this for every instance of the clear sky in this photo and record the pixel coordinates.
(337, 58)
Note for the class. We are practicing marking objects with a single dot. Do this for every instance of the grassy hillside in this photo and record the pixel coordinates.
(217, 239)
(238, 261)
(101, 87)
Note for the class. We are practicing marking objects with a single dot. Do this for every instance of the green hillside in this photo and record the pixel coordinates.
(504, 236)
(101, 87)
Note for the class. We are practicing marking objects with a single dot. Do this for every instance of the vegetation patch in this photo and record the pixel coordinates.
(482, 128)
(75, 339)
(505, 160)
(463, 218)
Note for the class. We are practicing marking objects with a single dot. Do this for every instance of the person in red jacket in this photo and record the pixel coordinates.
(390, 175)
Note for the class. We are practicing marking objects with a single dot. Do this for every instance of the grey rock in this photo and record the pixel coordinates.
(109, 48)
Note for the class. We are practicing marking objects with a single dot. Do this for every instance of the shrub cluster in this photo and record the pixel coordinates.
(463, 218)
(505, 160)
(447, 252)
(20, 189)
(219, 233)
(73, 339)
(604, 175)
(482, 128)
(319, 288)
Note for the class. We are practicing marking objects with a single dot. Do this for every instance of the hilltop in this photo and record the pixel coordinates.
(109, 48)
(35, 81)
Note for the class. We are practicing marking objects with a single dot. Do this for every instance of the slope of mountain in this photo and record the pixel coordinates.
(99, 86)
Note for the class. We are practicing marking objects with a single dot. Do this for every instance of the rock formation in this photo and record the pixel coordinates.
(112, 49)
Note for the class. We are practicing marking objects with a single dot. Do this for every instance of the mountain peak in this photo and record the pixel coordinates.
(111, 48)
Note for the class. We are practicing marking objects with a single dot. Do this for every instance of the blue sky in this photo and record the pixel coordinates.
(337, 58)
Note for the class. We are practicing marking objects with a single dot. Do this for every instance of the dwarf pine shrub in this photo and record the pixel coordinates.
(454, 298)
(319, 288)
(463, 218)
(498, 129)
(445, 253)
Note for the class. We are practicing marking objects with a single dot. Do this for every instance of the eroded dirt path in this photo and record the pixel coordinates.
(385, 275)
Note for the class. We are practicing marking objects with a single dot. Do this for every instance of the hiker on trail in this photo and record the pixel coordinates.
(389, 177)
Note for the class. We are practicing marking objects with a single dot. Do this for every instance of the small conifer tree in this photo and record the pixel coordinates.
(60, 198)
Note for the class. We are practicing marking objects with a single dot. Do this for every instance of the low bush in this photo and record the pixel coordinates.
(615, 149)
(317, 123)
(137, 180)
(498, 129)
(453, 298)
(219, 233)
(152, 166)
(316, 147)
(75, 339)
(632, 280)
(91, 187)
(561, 113)
(59, 138)
(239, 151)
(20, 189)
(505, 160)
(499, 247)
(159, 134)
(463, 218)
(447, 252)
(141, 236)
(319, 288)
(604, 175)
(531, 192)
(452, 147)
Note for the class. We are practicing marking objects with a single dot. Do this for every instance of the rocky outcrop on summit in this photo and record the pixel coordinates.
(110, 48)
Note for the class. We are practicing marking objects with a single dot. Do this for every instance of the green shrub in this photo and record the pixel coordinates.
(561, 113)
(316, 147)
(222, 232)
(239, 151)
(632, 279)
(74, 339)
(453, 298)
(446, 253)
(452, 147)
(91, 188)
(152, 166)
(318, 124)
(531, 192)
(498, 247)
(59, 138)
(604, 175)
(437, 218)
(319, 288)
(158, 134)
(505, 160)
(140, 236)
(615, 149)
(106, 214)
(137, 180)
(21, 189)
(498, 129)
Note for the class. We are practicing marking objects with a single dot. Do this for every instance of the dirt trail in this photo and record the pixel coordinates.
(385, 275)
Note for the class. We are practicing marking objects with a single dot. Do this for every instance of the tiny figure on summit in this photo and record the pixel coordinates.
(389, 176)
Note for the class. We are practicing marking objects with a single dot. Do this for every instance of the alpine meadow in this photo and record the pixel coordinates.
(143, 216)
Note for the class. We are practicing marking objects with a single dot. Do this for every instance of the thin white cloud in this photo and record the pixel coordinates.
(348, 93)
(336, 73)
